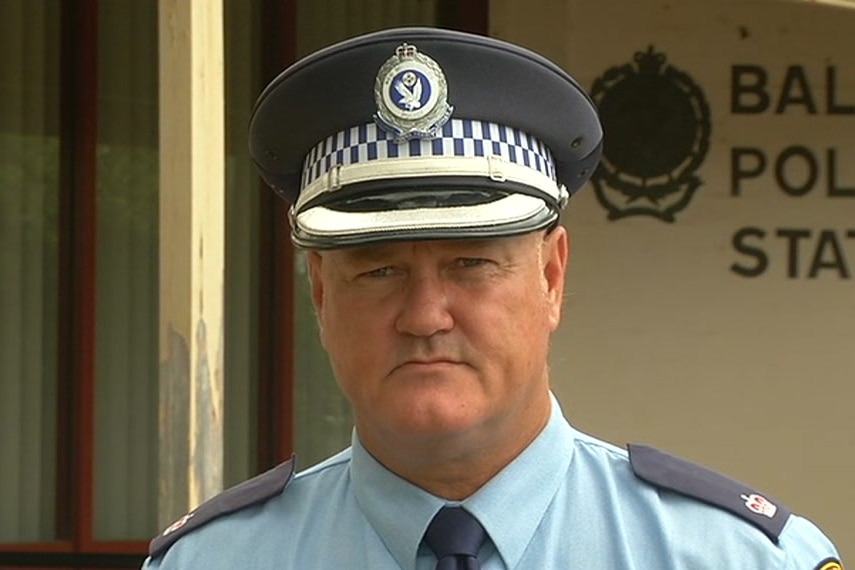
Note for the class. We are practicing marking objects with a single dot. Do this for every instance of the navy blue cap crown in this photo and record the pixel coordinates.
(423, 133)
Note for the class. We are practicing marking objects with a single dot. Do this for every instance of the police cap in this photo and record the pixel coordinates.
(423, 133)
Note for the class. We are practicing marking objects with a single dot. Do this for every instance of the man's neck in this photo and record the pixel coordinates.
(453, 467)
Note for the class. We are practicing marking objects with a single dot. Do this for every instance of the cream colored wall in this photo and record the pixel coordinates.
(662, 342)
(192, 253)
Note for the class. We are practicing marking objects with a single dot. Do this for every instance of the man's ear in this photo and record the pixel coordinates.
(314, 261)
(555, 253)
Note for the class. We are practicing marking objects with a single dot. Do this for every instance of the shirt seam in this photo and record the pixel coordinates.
(330, 463)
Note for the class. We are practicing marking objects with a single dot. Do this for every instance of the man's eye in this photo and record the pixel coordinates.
(471, 261)
(379, 272)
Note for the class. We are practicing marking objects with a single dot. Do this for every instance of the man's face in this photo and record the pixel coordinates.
(437, 339)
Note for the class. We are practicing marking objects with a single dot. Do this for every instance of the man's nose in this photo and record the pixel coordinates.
(425, 307)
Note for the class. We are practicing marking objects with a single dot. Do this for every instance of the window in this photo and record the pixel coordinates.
(79, 355)
(29, 262)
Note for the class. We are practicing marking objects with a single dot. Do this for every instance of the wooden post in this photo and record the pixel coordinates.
(192, 179)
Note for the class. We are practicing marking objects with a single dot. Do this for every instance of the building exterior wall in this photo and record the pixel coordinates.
(723, 334)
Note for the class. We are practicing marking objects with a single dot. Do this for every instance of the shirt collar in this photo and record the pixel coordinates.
(398, 510)
(510, 506)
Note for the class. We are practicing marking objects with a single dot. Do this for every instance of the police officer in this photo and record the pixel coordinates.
(426, 170)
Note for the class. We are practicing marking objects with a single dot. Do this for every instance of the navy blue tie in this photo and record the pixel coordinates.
(455, 537)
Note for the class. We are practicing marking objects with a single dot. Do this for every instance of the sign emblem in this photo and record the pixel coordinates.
(411, 94)
(759, 504)
(657, 132)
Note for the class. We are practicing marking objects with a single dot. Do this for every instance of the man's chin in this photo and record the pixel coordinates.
(438, 419)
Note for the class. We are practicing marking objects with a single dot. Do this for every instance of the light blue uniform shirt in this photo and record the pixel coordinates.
(568, 501)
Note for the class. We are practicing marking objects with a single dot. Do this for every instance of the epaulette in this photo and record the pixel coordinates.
(666, 471)
(250, 492)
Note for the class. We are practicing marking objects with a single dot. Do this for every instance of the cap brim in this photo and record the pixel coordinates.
(329, 226)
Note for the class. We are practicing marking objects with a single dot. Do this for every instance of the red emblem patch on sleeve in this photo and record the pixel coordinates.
(178, 524)
(760, 505)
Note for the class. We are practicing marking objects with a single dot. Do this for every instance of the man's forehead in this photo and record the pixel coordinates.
(387, 249)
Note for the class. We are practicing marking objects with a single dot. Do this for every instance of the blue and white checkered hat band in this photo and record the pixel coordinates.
(460, 137)
(381, 156)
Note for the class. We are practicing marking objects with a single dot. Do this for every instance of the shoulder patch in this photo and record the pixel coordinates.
(829, 564)
(250, 492)
(692, 480)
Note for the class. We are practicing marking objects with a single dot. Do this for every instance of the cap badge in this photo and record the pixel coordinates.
(411, 93)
